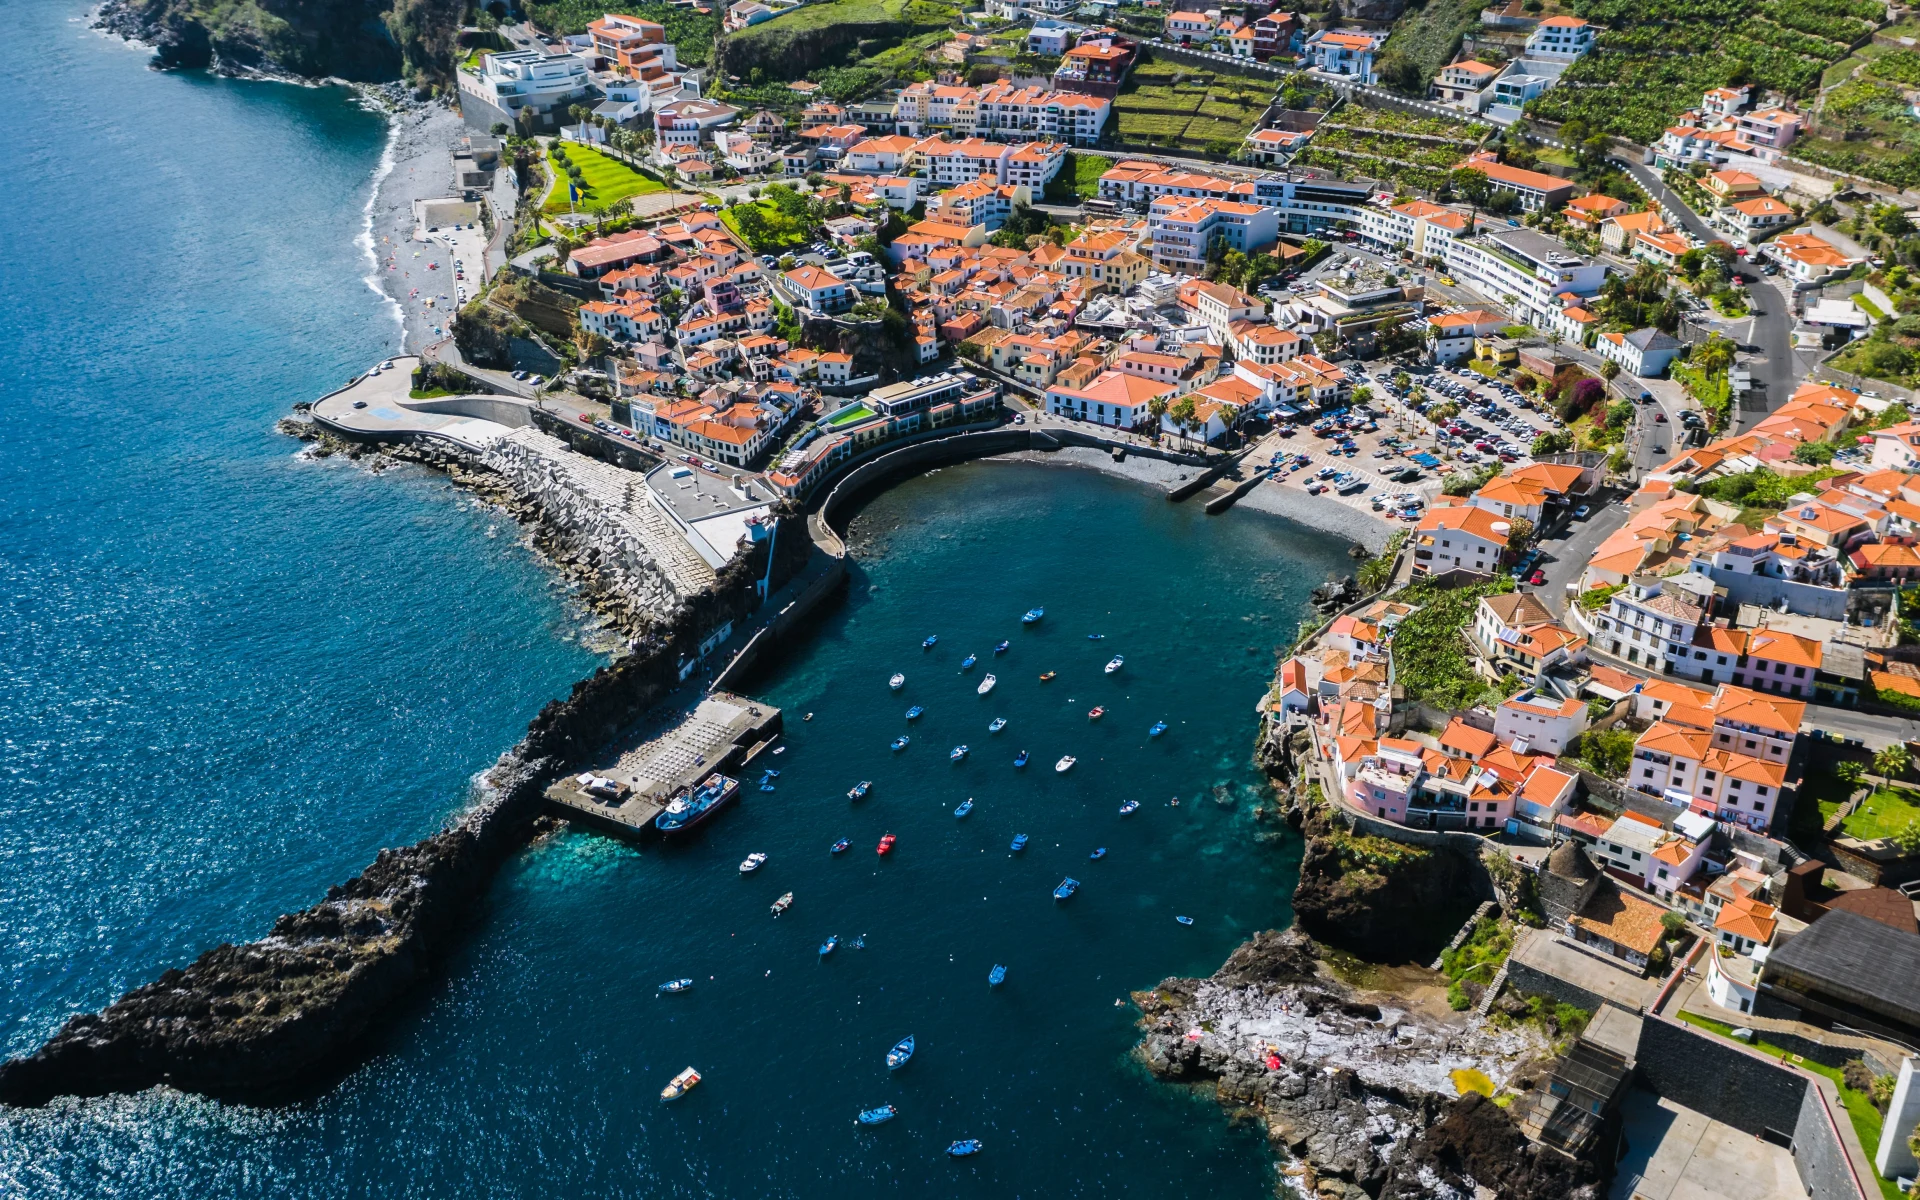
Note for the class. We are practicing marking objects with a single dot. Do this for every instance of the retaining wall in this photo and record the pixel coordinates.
(1523, 978)
(1818, 1155)
(1719, 1078)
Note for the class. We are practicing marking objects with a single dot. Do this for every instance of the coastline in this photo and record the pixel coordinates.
(417, 164)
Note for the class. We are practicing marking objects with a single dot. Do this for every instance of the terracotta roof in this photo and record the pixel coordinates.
(1623, 919)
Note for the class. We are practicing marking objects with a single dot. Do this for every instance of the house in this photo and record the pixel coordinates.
(1274, 147)
(1534, 190)
(1728, 186)
(1660, 249)
(1515, 633)
(1588, 212)
(1621, 925)
(1114, 398)
(1105, 260)
(1808, 259)
(1460, 538)
(1756, 216)
(1897, 447)
(1290, 694)
(1617, 232)
(1450, 336)
(1770, 129)
(1644, 352)
(1463, 82)
(1654, 621)
(810, 288)
(1343, 54)
(1560, 38)
(1275, 34)
(1628, 845)
(1536, 723)
(1185, 27)
(1050, 37)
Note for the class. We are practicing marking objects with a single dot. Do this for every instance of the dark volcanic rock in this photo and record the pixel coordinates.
(1477, 1143)
(362, 40)
(1381, 911)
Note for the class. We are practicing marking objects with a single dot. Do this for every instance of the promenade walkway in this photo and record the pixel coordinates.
(379, 405)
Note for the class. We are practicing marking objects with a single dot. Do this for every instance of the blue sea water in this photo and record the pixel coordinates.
(231, 675)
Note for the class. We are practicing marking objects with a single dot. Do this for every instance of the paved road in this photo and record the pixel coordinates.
(1568, 554)
(1649, 179)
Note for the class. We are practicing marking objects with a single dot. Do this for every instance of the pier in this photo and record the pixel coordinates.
(724, 733)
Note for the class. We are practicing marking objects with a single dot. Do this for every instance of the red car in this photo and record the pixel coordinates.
(586, 418)
(1537, 578)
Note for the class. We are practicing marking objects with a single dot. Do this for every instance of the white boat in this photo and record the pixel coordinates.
(897, 682)
(986, 685)
(1116, 663)
(681, 1085)
(1065, 764)
(752, 862)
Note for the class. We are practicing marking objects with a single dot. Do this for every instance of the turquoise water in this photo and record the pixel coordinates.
(232, 675)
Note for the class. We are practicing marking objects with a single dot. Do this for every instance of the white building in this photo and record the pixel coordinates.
(1564, 38)
(1523, 269)
(1644, 352)
(1535, 723)
(522, 81)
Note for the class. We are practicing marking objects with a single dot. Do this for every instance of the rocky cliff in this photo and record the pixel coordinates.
(1358, 1088)
(360, 40)
(290, 1012)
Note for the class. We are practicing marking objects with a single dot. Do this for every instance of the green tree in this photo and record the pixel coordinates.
(1608, 751)
(1472, 185)
(1892, 761)
(1850, 772)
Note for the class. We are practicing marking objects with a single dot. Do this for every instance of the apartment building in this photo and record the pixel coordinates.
(523, 81)
(1185, 231)
(1105, 260)
(1525, 269)
(1561, 38)
(1459, 538)
(1417, 226)
(1534, 190)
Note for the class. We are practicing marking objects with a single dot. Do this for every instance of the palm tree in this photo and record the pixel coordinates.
(1157, 409)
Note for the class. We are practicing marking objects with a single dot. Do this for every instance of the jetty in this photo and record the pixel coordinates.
(723, 732)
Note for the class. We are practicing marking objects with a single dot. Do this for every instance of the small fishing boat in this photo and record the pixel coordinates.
(859, 790)
(996, 725)
(1065, 764)
(681, 1085)
(769, 773)
(1184, 920)
(932, 641)
(877, 1116)
(966, 664)
(1158, 728)
(1032, 615)
(1116, 662)
(675, 985)
(766, 786)
(783, 904)
(1129, 808)
(901, 1052)
(900, 743)
(965, 1147)
(1002, 647)
(986, 685)
(779, 750)
(839, 847)
(897, 682)
(827, 947)
(997, 976)
(915, 713)
(1020, 759)
(1096, 712)
(752, 862)
(859, 943)
(1098, 852)
(1068, 887)
(957, 753)
(886, 845)
(1019, 842)
(965, 807)
(1048, 676)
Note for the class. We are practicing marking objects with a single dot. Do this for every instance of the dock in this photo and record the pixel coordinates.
(724, 733)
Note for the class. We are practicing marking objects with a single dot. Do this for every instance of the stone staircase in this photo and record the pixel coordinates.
(1492, 993)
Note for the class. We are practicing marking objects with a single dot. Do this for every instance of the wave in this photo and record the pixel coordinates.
(389, 158)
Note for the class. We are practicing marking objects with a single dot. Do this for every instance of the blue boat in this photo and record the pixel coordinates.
(839, 847)
(997, 976)
(690, 806)
(963, 1148)
(900, 743)
(859, 790)
(859, 943)
(1020, 760)
(966, 664)
(1002, 647)
(1098, 852)
(914, 713)
(827, 946)
(770, 773)
(966, 806)
(675, 985)
(878, 1116)
(1068, 887)
(1032, 615)
(1096, 637)
(930, 642)
(1129, 808)
(957, 753)
(901, 1052)
(1184, 920)
(1019, 842)
(1159, 727)
(996, 725)
(765, 786)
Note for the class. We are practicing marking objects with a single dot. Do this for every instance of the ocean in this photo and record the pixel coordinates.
(232, 674)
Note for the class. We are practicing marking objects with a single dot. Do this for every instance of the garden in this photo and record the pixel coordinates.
(1429, 648)
(1175, 106)
(1888, 811)
(779, 219)
(1079, 178)
(600, 182)
(1865, 125)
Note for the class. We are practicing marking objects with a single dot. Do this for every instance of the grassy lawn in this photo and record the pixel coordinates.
(1079, 177)
(1866, 1118)
(857, 413)
(765, 228)
(1883, 814)
(609, 182)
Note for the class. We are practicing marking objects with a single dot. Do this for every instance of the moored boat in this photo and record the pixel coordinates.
(681, 1085)
(752, 862)
(1115, 663)
(986, 685)
(901, 1052)
(932, 641)
(965, 807)
(1129, 808)
(1065, 764)
(957, 753)
(1047, 677)
(886, 845)
(900, 743)
(839, 847)
(1096, 712)
(1158, 728)
(1068, 887)
(966, 664)
(996, 725)
(859, 790)
(1184, 920)
(675, 985)
(877, 1116)
(1096, 637)
(783, 904)
(1019, 842)
(897, 682)
(1032, 615)
(914, 713)
(964, 1147)
(1098, 852)
(827, 947)
(997, 976)
(1002, 647)
(690, 806)
(1020, 759)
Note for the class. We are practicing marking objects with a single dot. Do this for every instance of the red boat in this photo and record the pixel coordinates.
(1096, 713)
(886, 844)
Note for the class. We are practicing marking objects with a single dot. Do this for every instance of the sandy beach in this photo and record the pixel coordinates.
(417, 165)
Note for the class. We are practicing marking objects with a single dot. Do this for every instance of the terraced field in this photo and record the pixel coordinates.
(1386, 144)
(1185, 108)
